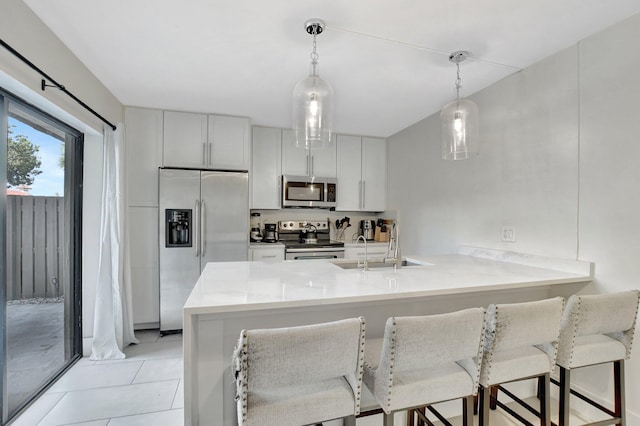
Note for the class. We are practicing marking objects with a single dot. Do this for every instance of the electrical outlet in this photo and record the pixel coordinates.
(508, 234)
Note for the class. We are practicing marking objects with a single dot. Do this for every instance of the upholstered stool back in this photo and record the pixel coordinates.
(299, 375)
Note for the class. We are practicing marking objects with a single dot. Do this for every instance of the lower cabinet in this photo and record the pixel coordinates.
(374, 251)
(266, 252)
(143, 248)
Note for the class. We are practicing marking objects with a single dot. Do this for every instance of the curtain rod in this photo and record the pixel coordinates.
(44, 84)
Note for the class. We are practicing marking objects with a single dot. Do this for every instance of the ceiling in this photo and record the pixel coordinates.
(386, 60)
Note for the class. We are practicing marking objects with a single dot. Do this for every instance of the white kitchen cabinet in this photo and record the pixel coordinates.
(306, 162)
(142, 228)
(374, 174)
(205, 141)
(266, 252)
(362, 173)
(265, 168)
(143, 147)
(374, 251)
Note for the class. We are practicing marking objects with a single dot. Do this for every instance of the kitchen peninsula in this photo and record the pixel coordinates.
(231, 296)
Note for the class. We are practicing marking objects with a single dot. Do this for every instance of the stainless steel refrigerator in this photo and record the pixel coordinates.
(204, 217)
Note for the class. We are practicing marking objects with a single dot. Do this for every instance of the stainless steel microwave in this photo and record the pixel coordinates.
(309, 191)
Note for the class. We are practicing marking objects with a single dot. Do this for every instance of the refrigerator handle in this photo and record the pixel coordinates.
(196, 228)
(203, 221)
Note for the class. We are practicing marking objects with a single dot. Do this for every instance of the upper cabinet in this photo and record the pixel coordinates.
(143, 155)
(306, 162)
(362, 173)
(206, 141)
(265, 168)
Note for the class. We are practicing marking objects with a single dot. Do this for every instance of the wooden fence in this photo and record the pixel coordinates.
(35, 247)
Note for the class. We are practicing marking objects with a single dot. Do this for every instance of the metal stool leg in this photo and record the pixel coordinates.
(483, 396)
(618, 378)
(467, 411)
(545, 400)
(564, 395)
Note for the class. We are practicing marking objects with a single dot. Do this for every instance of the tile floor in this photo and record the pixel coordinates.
(144, 389)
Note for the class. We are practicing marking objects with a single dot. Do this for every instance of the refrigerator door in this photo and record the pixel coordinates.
(225, 217)
(179, 263)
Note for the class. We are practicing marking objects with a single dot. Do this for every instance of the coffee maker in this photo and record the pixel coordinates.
(367, 229)
(270, 233)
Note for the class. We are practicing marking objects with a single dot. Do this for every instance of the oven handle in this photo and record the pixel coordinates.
(332, 256)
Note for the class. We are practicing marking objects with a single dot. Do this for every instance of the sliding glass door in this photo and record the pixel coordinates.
(40, 251)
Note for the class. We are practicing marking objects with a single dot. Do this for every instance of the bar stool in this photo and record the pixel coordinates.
(520, 343)
(300, 375)
(424, 360)
(595, 330)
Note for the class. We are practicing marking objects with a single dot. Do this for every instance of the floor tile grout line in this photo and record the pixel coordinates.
(175, 394)
(140, 414)
(115, 386)
(137, 372)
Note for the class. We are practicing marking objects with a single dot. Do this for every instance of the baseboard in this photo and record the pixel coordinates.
(146, 326)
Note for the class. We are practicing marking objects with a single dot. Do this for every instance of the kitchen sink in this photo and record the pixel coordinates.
(374, 264)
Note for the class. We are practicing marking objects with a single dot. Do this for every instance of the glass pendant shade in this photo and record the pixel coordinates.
(313, 112)
(459, 130)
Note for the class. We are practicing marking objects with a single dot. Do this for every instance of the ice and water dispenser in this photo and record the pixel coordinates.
(178, 229)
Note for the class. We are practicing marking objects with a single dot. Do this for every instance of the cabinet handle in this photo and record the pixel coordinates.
(272, 256)
(210, 150)
(360, 194)
(364, 195)
(312, 171)
(204, 153)
(196, 227)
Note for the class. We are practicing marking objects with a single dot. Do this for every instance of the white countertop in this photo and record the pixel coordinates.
(246, 286)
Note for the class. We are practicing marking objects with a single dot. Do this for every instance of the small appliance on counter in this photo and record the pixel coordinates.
(270, 233)
(367, 229)
(255, 235)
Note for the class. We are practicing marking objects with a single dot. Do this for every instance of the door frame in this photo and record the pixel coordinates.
(74, 160)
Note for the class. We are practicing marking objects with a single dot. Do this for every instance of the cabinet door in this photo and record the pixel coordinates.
(229, 145)
(349, 173)
(143, 155)
(143, 257)
(294, 160)
(374, 174)
(185, 139)
(267, 254)
(265, 168)
(323, 161)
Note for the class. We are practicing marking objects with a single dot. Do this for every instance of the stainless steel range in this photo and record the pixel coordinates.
(306, 239)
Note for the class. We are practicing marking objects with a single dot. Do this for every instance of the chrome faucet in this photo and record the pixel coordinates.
(366, 256)
(393, 249)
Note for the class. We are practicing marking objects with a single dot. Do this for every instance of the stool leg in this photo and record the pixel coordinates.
(564, 395)
(467, 411)
(387, 419)
(410, 417)
(618, 378)
(483, 396)
(494, 397)
(545, 399)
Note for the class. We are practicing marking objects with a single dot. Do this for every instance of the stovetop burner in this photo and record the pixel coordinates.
(290, 233)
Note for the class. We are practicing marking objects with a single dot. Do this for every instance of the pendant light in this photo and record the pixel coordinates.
(459, 121)
(313, 101)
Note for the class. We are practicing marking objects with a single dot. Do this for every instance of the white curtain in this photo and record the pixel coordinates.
(113, 315)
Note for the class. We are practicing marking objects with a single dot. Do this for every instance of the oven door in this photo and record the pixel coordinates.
(313, 253)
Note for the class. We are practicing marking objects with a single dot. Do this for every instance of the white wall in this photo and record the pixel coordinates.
(22, 29)
(560, 145)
